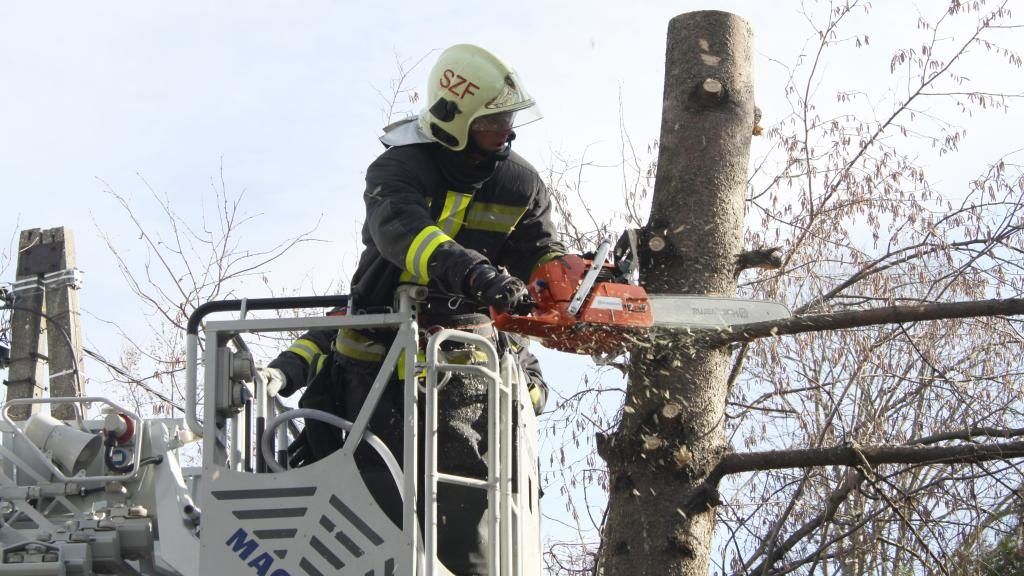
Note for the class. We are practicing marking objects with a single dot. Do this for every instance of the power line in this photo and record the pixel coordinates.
(132, 379)
(95, 356)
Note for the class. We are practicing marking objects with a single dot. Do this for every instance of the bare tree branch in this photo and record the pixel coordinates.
(854, 455)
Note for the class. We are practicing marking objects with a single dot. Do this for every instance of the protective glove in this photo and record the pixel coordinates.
(275, 380)
(505, 293)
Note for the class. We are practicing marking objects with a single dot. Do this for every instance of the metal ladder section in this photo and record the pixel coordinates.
(238, 493)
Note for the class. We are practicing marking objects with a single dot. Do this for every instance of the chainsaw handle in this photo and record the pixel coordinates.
(587, 284)
(527, 324)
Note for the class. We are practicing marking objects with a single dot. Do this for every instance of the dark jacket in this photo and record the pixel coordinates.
(430, 217)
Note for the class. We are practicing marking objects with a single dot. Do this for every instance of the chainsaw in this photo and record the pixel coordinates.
(591, 306)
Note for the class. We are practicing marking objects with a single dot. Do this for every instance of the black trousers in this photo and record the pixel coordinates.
(462, 443)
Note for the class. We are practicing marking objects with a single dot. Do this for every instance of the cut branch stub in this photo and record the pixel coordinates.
(671, 411)
(710, 92)
(651, 442)
(682, 457)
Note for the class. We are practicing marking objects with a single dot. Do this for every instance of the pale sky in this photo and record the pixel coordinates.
(285, 95)
(288, 99)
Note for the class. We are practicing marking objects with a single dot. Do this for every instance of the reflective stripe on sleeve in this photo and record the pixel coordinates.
(546, 258)
(406, 278)
(422, 248)
(305, 348)
(454, 212)
(453, 215)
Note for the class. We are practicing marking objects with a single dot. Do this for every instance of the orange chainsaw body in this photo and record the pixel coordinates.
(610, 315)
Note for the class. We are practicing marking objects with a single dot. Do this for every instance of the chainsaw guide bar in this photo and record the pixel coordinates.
(585, 306)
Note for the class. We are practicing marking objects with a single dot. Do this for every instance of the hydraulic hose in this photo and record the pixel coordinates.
(372, 439)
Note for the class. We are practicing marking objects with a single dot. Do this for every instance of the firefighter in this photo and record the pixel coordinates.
(450, 206)
(304, 360)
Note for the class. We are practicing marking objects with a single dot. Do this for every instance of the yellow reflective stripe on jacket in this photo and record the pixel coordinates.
(350, 343)
(454, 212)
(534, 396)
(305, 348)
(473, 356)
(320, 363)
(406, 278)
(493, 217)
(422, 248)
(421, 357)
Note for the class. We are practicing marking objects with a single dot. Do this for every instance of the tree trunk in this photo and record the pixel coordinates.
(671, 434)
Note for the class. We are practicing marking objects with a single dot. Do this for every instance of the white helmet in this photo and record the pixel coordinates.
(468, 83)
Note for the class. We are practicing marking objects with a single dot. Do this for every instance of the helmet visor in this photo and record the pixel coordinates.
(513, 97)
(505, 121)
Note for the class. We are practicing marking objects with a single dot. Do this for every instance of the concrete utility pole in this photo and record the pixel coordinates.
(46, 283)
(660, 521)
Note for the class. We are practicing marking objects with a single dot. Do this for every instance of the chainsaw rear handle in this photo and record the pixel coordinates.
(539, 317)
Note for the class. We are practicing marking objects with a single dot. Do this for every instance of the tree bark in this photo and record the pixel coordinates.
(658, 458)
